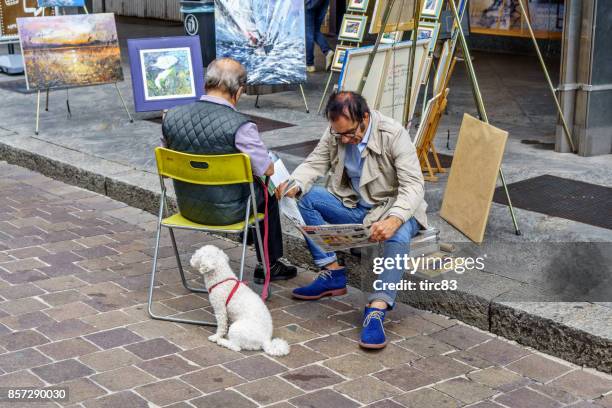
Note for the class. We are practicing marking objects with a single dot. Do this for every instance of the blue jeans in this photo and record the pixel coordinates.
(320, 207)
(314, 19)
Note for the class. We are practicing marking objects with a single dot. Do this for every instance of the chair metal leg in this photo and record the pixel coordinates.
(244, 240)
(180, 265)
(259, 240)
(152, 283)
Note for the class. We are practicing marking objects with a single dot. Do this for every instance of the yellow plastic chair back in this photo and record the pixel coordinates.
(213, 170)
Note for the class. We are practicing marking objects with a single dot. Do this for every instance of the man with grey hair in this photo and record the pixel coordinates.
(212, 125)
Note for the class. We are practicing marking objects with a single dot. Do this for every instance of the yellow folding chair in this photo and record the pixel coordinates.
(211, 170)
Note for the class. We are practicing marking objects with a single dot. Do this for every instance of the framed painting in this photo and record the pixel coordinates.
(429, 30)
(166, 72)
(400, 17)
(339, 56)
(11, 10)
(61, 3)
(432, 8)
(360, 6)
(266, 36)
(392, 37)
(353, 28)
(71, 50)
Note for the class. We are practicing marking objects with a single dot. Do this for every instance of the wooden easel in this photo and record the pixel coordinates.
(431, 123)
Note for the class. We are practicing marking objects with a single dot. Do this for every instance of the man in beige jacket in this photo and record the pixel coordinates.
(374, 178)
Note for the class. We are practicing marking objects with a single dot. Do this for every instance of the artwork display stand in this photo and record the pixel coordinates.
(478, 99)
(37, 129)
(343, 43)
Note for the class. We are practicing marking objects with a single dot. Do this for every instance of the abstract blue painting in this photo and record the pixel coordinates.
(266, 36)
(61, 3)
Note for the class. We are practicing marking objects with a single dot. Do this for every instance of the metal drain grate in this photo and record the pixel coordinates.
(558, 197)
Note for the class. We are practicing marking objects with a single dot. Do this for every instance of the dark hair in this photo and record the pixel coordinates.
(349, 104)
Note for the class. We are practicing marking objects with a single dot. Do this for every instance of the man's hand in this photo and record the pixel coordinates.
(385, 229)
(280, 191)
(270, 170)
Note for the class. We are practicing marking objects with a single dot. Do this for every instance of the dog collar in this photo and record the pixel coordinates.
(232, 292)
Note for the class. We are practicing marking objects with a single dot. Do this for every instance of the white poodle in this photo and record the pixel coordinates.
(251, 327)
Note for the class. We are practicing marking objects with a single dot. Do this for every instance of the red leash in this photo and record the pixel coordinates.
(264, 293)
(233, 291)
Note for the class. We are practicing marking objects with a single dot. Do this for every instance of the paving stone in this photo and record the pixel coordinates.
(20, 379)
(63, 371)
(583, 384)
(470, 359)
(499, 352)
(18, 360)
(441, 367)
(63, 258)
(152, 329)
(323, 399)
(101, 289)
(332, 346)
(391, 356)
(4, 330)
(427, 398)
(64, 349)
(554, 393)
(95, 252)
(32, 252)
(20, 291)
(62, 298)
(353, 365)
(65, 329)
(123, 378)
(109, 359)
(405, 377)
(312, 377)
(499, 378)
(186, 303)
(300, 356)
(294, 333)
(168, 366)
(23, 265)
(466, 391)
(605, 402)
(367, 389)
(70, 311)
(255, 367)
(324, 326)
(21, 306)
(425, 346)
(22, 277)
(109, 320)
(113, 338)
(212, 379)
(486, 404)
(82, 389)
(120, 399)
(269, 390)
(168, 392)
(526, 398)
(22, 339)
(310, 310)
(461, 337)
(154, 348)
(60, 283)
(539, 368)
(387, 403)
(210, 354)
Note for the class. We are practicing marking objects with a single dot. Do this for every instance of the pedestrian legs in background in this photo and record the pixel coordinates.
(314, 19)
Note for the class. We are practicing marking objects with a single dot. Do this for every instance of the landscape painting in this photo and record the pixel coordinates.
(73, 50)
(61, 3)
(266, 36)
(166, 71)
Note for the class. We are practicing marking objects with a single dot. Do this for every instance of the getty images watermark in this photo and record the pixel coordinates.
(413, 265)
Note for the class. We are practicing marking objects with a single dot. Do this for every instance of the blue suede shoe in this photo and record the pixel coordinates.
(327, 283)
(373, 333)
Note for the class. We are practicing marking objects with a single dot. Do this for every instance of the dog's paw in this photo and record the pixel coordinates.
(214, 338)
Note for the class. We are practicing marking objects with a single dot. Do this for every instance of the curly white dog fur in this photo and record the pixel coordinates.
(251, 323)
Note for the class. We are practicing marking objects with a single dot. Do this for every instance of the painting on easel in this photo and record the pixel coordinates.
(266, 36)
(74, 50)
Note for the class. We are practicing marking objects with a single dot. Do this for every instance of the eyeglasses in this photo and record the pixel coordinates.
(350, 134)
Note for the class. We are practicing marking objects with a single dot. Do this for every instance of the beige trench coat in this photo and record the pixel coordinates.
(391, 178)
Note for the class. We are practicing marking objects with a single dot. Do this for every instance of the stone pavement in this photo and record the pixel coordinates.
(74, 269)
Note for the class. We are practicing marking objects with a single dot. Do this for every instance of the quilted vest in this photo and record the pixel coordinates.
(206, 128)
